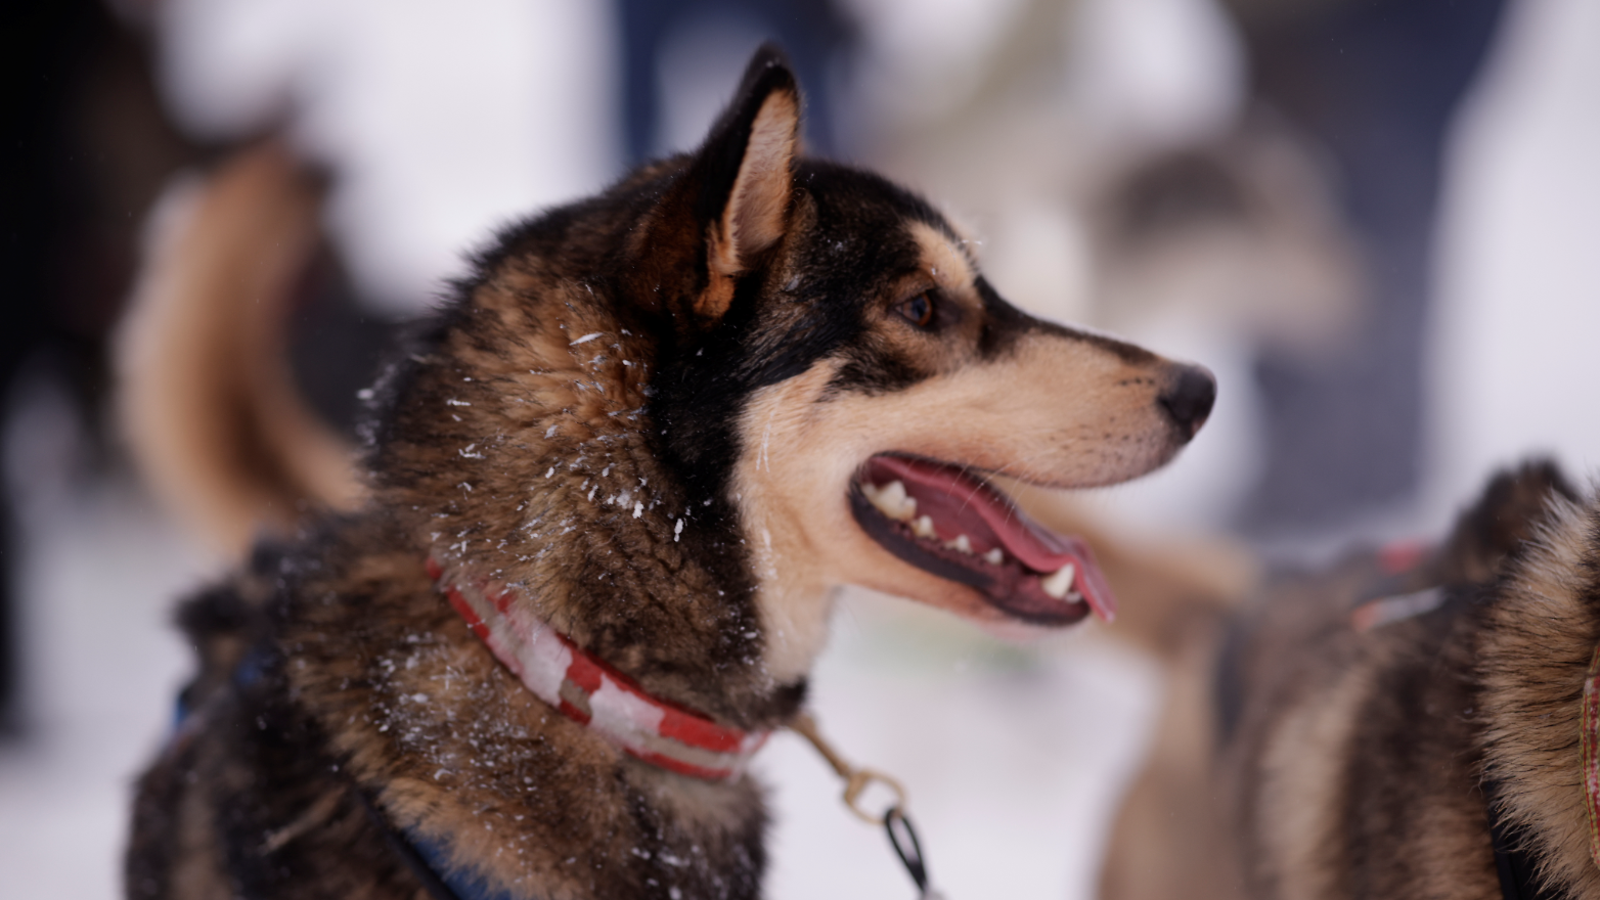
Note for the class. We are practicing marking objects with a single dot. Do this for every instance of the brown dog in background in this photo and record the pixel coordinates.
(1400, 725)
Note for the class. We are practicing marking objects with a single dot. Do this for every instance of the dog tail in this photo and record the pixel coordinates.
(206, 398)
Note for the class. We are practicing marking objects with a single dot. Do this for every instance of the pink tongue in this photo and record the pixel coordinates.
(961, 504)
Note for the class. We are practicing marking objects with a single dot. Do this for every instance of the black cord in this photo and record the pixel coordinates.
(903, 838)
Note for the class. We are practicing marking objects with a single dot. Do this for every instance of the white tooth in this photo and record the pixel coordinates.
(893, 494)
(923, 527)
(895, 504)
(891, 500)
(1059, 582)
(994, 557)
(962, 544)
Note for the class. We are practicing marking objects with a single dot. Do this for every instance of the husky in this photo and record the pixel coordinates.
(612, 488)
(1411, 722)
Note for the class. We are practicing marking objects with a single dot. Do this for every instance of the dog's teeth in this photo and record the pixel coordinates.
(891, 500)
(962, 544)
(994, 557)
(1059, 582)
(922, 527)
(893, 493)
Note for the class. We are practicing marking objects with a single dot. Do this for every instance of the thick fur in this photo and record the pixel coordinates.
(1360, 764)
(645, 411)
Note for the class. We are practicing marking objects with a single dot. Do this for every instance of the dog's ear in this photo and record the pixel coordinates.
(746, 176)
(733, 202)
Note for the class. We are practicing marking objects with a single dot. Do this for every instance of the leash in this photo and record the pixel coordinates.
(894, 820)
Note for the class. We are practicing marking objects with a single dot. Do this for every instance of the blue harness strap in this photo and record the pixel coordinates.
(427, 862)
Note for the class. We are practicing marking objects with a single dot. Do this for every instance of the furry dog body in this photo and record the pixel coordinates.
(1397, 727)
(656, 421)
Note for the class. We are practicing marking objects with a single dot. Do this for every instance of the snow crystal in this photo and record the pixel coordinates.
(585, 339)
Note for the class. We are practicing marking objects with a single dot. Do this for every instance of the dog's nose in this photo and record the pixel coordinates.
(1188, 398)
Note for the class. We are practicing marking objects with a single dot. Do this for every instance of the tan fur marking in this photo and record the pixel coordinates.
(1302, 773)
(946, 262)
(756, 212)
(795, 598)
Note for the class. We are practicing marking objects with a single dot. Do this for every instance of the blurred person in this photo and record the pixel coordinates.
(1376, 85)
(677, 54)
(86, 149)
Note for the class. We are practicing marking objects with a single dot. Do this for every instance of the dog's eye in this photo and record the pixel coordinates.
(918, 310)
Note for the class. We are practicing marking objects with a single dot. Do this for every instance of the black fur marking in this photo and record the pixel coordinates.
(867, 373)
(1004, 324)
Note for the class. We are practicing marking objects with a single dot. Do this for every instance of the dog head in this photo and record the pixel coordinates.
(740, 379)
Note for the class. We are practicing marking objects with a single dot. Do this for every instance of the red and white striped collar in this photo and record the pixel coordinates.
(591, 692)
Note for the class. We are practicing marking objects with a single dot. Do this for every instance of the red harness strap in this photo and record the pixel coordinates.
(1591, 753)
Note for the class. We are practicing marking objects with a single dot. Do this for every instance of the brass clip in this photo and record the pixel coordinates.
(856, 781)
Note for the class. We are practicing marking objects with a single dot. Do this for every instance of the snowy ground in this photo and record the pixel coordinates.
(1012, 756)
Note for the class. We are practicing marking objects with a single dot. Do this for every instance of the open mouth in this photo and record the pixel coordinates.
(946, 521)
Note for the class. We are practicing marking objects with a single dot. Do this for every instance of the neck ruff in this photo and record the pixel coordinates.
(591, 692)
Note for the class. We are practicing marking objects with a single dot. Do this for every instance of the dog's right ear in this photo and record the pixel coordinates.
(733, 203)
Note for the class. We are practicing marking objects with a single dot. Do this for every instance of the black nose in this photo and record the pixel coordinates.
(1188, 398)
